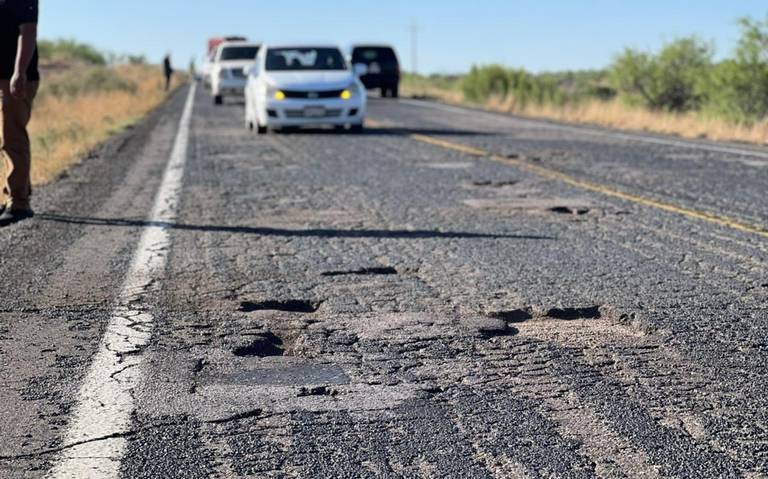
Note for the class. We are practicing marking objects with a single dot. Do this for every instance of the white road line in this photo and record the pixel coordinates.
(93, 445)
(610, 134)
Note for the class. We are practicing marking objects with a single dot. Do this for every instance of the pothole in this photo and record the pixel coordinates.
(383, 271)
(317, 391)
(494, 184)
(488, 328)
(569, 314)
(522, 315)
(262, 346)
(533, 204)
(513, 315)
(288, 306)
(567, 210)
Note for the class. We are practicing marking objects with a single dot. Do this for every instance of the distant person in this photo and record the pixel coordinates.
(19, 80)
(167, 71)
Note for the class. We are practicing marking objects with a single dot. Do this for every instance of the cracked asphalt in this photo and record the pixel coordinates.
(386, 305)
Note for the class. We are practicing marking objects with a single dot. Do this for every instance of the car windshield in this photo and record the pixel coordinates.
(239, 53)
(373, 54)
(293, 59)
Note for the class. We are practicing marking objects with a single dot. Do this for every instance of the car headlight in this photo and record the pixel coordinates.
(350, 92)
(276, 94)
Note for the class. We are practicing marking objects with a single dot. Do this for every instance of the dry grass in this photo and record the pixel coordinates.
(65, 127)
(616, 114)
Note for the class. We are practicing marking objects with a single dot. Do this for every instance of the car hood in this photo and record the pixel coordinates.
(310, 80)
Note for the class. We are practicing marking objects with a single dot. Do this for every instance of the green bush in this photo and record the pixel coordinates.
(70, 50)
(485, 82)
(673, 80)
(435, 80)
(738, 88)
(525, 88)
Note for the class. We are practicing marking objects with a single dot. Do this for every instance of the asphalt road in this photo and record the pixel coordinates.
(452, 294)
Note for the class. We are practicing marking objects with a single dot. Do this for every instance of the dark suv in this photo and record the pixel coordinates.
(383, 68)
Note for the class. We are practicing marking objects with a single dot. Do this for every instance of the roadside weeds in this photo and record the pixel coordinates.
(66, 125)
(612, 114)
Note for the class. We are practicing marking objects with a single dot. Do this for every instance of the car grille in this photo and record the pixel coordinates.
(312, 95)
(300, 114)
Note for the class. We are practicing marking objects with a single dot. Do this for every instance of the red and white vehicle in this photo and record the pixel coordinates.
(210, 56)
(228, 77)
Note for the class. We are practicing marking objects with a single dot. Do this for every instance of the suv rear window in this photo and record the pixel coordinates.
(239, 53)
(373, 54)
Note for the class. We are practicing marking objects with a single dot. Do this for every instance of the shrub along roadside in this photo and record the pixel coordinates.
(79, 108)
(679, 90)
(69, 51)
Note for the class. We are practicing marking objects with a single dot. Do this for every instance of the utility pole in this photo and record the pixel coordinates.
(414, 48)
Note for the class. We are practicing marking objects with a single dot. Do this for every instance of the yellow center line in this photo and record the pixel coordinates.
(551, 174)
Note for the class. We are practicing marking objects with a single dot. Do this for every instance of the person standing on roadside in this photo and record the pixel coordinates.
(19, 80)
(168, 71)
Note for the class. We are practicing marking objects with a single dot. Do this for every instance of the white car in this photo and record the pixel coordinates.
(310, 85)
(226, 71)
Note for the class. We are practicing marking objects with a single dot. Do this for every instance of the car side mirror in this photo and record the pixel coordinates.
(361, 69)
(251, 70)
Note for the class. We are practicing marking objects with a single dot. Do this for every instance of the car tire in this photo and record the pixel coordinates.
(384, 92)
(356, 128)
(218, 100)
(394, 92)
(261, 130)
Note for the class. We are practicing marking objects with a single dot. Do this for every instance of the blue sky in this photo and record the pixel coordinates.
(538, 35)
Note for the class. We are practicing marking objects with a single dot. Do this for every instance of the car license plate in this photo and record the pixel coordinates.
(314, 112)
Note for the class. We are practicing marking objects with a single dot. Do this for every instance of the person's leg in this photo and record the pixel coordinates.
(16, 149)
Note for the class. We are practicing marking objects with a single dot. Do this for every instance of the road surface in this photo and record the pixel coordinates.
(452, 294)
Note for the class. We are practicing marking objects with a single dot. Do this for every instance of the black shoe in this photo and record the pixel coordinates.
(9, 217)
